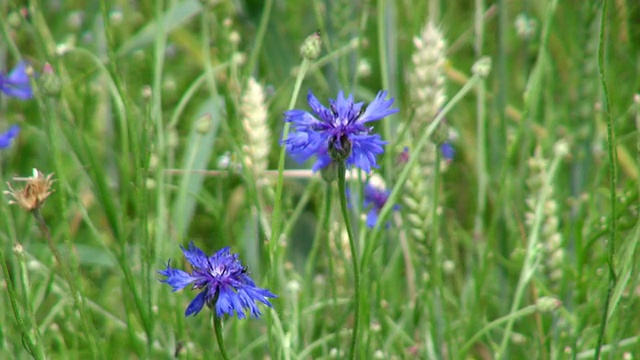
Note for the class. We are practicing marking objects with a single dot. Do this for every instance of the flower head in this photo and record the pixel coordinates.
(7, 137)
(448, 151)
(17, 83)
(34, 193)
(339, 133)
(375, 196)
(224, 282)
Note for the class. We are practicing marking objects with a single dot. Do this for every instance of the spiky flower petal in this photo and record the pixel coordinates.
(6, 138)
(17, 83)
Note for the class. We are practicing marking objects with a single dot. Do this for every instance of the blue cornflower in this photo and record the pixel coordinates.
(339, 133)
(7, 137)
(376, 197)
(225, 283)
(17, 83)
(448, 151)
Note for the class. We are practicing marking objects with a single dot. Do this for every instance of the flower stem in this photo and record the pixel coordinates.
(354, 256)
(613, 158)
(217, 328)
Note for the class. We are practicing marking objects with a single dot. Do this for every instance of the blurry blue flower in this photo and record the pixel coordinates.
(225, 283)
(17, 83)
(375, 197)
(7, 137)
(339, 133)
(448, 151)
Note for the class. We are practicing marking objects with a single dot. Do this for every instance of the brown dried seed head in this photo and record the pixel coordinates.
(34, 193)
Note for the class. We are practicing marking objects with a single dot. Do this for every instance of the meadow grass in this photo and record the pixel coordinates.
(161, 122)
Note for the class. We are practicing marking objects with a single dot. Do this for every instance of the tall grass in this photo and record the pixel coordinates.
(162, 123)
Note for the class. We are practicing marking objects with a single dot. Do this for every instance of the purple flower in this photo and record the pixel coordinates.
(17, 83)
(224, 282)
(375, 197)
(339, 133)
(7, 137)
(448, 151)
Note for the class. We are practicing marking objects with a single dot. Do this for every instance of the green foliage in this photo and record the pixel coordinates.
(141, 122)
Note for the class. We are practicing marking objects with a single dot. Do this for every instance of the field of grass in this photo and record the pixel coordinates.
(499, 222)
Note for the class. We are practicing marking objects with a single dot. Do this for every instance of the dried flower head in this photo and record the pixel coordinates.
(34, 193)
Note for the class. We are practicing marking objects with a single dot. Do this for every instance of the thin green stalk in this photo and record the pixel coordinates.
(383, 54)
(132, 181)
(276, 222)
(277, 208)
(531, 309)
(399, 186)
(217, 328)
(62, 263)
(611, 242)
(481, 127)
(532, 256)
(354, 256)
(51, 123)
(33, 347)
(436, 259)
(319, 235)
(262, 30)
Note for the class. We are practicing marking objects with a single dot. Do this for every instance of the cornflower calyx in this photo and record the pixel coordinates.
(339, 133)
(34, 193)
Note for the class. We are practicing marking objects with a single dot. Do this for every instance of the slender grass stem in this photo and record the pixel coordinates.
(33, 346)
(277, 220)
(611, 151)
(483, 176)
(532, 256)
(531, 309)
(402, 178)
(354, 257)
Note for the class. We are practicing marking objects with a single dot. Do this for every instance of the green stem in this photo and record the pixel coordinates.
(276, 221)
(532, 256)
(399, 186)
(34, 347)
(611, 243)
(531, 309)
(259, 40)
(217, 328)
(481, 128)
(277, 208)
(354, 256)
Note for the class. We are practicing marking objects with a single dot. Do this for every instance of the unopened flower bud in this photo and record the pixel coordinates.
(482, 67)
(311, 47)
(548, 304)
(204, 124)
(50, 81)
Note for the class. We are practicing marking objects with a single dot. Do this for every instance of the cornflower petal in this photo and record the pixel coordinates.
(195, 305)
(378, 108)
(372, 218)
(196, 257)
(176, 278)
(7, 137)
(17, 83)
